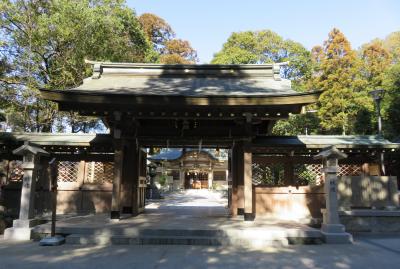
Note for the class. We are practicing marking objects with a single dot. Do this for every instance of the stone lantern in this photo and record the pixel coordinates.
(332, 230)
(21, 229)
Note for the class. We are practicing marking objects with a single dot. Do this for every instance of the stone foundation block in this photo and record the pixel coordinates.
(18, 234)
(337, 238)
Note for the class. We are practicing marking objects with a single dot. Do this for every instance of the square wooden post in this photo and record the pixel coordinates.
(248, 184)
(118, 168)
(234, 181)
(136, 162)
(127, 177)
(229, 178)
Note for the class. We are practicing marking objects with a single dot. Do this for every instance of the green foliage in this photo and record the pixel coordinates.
(337, 74)
(297, 125)
(259, 47)
(268, 175)
(305, 176)
(392, 44)
(375, 60)
(162, 180)
(392, 102)
(365, 122)
(344, 75)
(46, 43)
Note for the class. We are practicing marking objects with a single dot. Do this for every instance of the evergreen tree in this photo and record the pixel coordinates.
(337, 75)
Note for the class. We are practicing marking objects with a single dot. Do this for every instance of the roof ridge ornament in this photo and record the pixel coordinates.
(97, 71)
(97, 68)
(276, 67)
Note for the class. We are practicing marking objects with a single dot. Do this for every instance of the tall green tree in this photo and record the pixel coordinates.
(375, 60)
(380, 69)
(266, 46)
(337, 74)
(46, 42)
(392, 44)
(391, 105)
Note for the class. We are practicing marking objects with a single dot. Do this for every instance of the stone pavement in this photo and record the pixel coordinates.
(367, 252)
(197, 209)
(188, 217)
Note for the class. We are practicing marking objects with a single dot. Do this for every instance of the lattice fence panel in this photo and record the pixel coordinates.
(306, 174)
(99, 172)
(67, 171)
(16, 173)
(268, 174)
(349, 170)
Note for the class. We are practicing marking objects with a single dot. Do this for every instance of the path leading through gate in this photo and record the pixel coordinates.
(198, 217)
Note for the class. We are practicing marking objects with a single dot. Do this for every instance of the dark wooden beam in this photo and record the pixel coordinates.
(68, 98)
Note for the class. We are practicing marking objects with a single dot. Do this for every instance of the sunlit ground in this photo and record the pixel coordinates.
(367, 252)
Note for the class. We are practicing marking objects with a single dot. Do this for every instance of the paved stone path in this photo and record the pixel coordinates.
(367, 252)
(191, 202)
(194, 209)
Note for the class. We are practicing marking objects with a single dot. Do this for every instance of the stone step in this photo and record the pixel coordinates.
(183, 232)
(81, 239)
(267, 233)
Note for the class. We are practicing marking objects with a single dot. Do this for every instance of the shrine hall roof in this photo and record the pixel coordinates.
(186, 80)
(175, 154)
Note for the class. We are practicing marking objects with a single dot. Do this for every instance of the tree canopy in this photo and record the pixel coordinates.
(171, 50)
(344, 75)
(266, 46)
(44, 44)
(337, 75)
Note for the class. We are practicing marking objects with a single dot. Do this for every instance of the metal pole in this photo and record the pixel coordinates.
(53, 240)
(381, 156)
(378, 107)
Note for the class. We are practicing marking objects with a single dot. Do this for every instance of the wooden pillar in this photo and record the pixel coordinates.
(181, 178)
(288, 173)
(248, 184)
(118, 168)
(127, 179)
(229, 178)
(210, 179)
(237, 169)
(136, 167)
(234, 182)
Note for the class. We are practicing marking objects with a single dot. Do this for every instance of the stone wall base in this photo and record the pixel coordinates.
(371, 221)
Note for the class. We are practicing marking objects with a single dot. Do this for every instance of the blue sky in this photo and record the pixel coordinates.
(208, 23)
